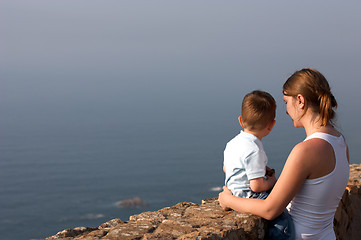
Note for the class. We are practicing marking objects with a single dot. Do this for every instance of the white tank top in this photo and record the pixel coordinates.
(314, 206)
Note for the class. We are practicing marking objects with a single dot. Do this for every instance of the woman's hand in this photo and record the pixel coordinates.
(223, 198)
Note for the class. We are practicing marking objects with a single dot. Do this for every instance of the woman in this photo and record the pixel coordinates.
(316, 171)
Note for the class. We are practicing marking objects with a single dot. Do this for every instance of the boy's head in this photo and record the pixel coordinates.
(258, 110)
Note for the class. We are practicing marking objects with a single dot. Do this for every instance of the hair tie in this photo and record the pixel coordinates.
(333, 101)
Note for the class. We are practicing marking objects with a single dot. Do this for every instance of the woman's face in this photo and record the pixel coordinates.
(291, 109)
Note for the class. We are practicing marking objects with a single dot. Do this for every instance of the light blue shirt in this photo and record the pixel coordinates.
(244, 159)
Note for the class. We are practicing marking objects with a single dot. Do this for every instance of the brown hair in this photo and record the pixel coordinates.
(313, 86)
(258, 110)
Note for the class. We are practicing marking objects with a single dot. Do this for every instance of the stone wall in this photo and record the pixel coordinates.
(347, 222)
(208, 221)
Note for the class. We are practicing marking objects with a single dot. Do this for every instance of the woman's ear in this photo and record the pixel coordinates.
(300, 101)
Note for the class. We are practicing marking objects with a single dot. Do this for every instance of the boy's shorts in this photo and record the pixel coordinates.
(280, 228)
(260, 195)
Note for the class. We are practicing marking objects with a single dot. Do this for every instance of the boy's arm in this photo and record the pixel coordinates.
(262, 184)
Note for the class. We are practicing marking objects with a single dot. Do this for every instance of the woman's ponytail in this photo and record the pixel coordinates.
(327, 102)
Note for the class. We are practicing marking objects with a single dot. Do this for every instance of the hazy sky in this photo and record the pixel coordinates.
(68, 61)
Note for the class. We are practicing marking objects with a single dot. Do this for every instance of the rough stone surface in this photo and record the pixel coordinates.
(183, 221)
(347, 223)
(207, 221)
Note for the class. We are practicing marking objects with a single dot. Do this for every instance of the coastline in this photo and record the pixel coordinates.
(188, 220)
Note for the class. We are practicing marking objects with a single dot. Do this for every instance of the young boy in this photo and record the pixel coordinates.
(245, 161)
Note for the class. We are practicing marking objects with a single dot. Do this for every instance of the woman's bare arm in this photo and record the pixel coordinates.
(295, 171)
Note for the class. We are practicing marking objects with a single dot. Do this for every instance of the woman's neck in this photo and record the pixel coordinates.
(312, 123)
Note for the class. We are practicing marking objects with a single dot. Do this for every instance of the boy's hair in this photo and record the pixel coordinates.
(258, 110)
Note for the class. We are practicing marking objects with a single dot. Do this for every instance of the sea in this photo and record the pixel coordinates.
(58, 176)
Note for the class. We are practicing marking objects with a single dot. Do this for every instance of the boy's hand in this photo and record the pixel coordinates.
(272, 179)
(270, 172)
(223, 197)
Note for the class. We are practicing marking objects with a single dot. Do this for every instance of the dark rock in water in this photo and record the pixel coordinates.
(136, 202)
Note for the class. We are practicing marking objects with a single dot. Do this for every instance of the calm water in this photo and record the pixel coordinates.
(67, 176)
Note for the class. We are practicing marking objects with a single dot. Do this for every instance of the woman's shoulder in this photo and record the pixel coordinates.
(307, 152)
(314, 155)
(300, 154)
(304, 146)
(312, 147)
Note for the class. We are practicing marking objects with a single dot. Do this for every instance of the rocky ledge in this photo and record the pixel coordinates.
(208, 221)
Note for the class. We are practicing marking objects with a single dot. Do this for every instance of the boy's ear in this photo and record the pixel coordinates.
(272, 124)
(240, 121)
